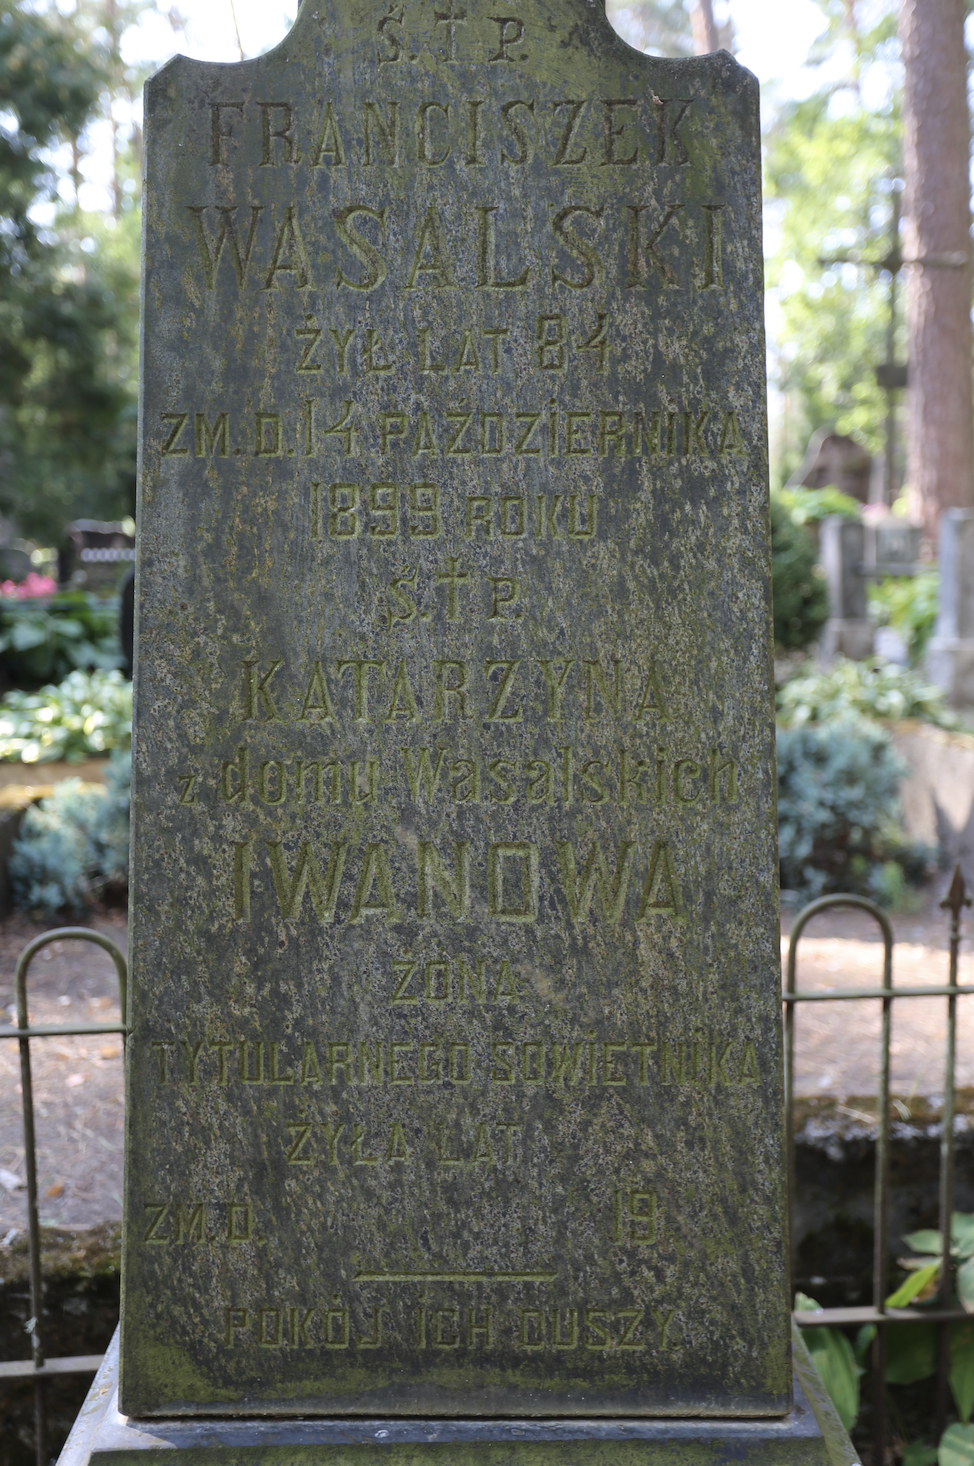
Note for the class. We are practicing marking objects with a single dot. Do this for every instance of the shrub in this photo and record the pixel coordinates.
(800, 599)
(810, 506)
(44, 643)
(838, 813)
(87, 714)
(73, 846)
(873, 689)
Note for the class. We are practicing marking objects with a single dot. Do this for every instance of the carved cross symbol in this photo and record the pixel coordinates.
(450, 18)
(453, 577)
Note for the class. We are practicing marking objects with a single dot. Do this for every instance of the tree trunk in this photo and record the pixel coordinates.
(936, 233)
(705, 37)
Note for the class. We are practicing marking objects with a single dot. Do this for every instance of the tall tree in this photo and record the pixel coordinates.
(67, 420)
(828, 180)
(832, 162)
(936, 232)
(705, 36)
(104, 24)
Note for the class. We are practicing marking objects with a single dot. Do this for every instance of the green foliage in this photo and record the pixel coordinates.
(828, 168)
(911, 1349)
(926, 1267)
(831, 164)
(44, 643)
(909, 604)
(85, 715)
(869, 32)
(838, 811)
(50, 87)
(833, 1357)
(957, 1446)
(872, 689)
(800, 598)
(919, 1453)
(67, 319)
(810, 506)
(914, 1285)
(961, 1374)
(893, 889)
(911, 1352)
(74, 845)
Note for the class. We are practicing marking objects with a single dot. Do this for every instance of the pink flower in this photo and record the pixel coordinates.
(35, 585)
(38, 585)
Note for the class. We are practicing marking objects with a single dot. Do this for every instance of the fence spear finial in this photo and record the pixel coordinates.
(957, 896)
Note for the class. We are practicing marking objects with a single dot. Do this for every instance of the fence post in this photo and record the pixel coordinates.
(950, 655)
(848, 631)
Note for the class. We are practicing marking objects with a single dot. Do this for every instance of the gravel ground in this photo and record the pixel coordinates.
(78, 1081)
(837, 1044)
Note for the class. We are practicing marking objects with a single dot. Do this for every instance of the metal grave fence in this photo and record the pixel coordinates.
(944, 1312)
(39, 1368)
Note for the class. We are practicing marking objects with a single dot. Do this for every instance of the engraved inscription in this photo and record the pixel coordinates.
(638, 244)
(455, 1007)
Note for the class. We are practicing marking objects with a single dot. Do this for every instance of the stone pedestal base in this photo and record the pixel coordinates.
(847, 638)
(811, 1435)
(950, 664)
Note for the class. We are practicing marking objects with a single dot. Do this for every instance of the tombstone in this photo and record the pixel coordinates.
(96, 556)
(892, 547)
(950, 651)
(454, 1074)
(837, 461)
(848, 632)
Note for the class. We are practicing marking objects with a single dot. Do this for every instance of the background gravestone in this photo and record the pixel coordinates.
(454, 1074)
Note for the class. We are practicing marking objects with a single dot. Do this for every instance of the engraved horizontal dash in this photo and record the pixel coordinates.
(435, 1276)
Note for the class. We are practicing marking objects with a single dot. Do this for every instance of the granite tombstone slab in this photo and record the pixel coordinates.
(454, 1075)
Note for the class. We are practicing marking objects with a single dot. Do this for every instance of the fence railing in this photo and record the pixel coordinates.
(878, 1314)
(39, 1368)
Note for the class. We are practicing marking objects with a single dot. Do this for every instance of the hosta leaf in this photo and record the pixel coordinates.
(907, 1291)
(51, 724)
(965, 1285)
(962, 1233)
(835, 1361)
(957, 1446)
(27, 634)
(925, 1241)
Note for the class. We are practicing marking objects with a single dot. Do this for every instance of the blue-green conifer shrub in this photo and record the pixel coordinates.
(839, 813)
(73, 847)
